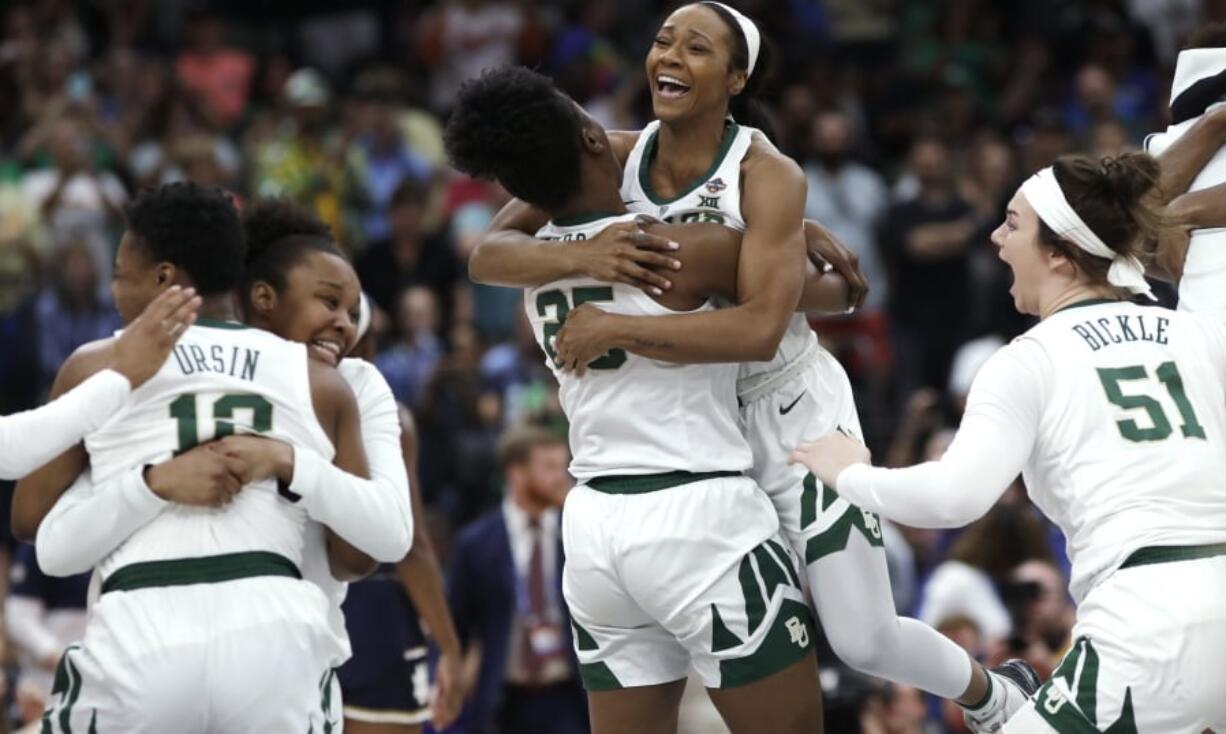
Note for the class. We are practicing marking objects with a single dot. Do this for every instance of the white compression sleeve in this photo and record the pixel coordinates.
(998, 431)
(30, 439)
(373, 514)
(88, 521)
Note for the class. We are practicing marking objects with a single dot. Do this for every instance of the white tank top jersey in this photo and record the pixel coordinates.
(1131, 439)
(1204, 271)
(715, 197)
(221, 378)
(630, 414)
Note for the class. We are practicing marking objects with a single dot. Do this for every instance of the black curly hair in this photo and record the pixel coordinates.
(279, 233)
(194, 227)
(513, 125)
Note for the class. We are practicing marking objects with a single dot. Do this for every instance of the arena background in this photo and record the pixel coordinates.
(908, 117)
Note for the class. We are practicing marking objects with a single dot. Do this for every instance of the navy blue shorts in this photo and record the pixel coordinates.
(400, 696)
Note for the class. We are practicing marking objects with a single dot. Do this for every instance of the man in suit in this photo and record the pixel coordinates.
(506, 596)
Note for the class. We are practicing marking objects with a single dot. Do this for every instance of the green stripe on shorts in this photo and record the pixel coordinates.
(1171, 553)
(836, 537)
(790, 638)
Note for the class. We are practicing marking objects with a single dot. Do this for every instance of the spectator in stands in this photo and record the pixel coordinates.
(388, 160)
(506, 595)
(220, 73)
(411, 255)
(409, 364)
(925, 242)
(72, 309)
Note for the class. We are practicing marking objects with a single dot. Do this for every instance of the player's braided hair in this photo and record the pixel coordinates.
(194, 227)
(512, 125)
(279, 233)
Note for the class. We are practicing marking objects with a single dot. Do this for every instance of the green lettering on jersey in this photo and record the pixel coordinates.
(1168, 375)
(183, 410)
(695, 218)
(561, 304)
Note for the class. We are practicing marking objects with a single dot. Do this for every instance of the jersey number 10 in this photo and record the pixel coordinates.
(1168, 375)
(183, 410)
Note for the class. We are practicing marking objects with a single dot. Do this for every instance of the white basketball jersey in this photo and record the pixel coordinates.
(630, 414)
(222, 378)
(1132, 432)
(715, 197)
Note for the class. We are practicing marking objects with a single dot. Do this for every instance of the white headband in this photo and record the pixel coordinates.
(1045, 196)
(363, 316)
(753, 39)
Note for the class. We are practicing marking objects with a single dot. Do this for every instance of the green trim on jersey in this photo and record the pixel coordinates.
(789, 639)
(219, 324)
(836, 537)
(1088, 302)
(1170, 553)
(203, 570)
(644, 483)
(649, 151)
(584, 218)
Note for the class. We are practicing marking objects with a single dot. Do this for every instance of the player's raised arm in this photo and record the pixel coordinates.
(770, 277)
(89, 391)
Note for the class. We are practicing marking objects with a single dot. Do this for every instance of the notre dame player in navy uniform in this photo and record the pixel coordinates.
(386, 684)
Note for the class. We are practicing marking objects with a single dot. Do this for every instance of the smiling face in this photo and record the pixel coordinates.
(689, 66)
(318, 306)
(1033, 266)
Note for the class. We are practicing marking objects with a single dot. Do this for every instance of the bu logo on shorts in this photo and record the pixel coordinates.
(796, 628)
(871, 524)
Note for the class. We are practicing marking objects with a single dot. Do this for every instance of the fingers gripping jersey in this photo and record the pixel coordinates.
(716, 197)
(222, 378)
(630, 414)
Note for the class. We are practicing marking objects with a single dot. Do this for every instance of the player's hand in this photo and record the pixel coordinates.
(582, 339)
(262, 458)
(448, 690)
(624, 253)
(203, 477)
(827, 248)
(829, 455)
(146, 343)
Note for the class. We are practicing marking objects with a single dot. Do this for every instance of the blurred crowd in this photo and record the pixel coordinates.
(914, 121)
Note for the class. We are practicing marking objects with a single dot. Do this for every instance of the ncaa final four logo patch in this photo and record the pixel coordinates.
(716, 185)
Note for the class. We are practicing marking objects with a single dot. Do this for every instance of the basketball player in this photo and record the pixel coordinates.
(1115, 415)
(204, 622)
(673, 558)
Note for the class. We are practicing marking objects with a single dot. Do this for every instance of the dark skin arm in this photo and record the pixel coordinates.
(422, 578)
(770, 277)
(1181, 163)
(337, 411)
(509, 255)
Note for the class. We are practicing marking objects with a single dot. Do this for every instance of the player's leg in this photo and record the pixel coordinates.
(633, 670)
(783, 702)
(640, 710)
(706, 562)
(842, 547)
(397, 702)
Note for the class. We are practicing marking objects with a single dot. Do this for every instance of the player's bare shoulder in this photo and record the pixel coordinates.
(764, 162)
(85, 361)
(622, 142)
